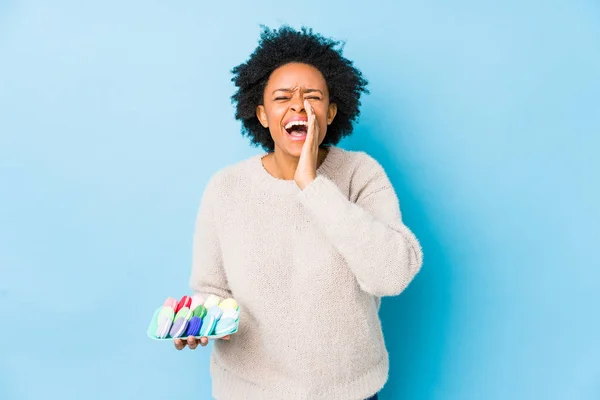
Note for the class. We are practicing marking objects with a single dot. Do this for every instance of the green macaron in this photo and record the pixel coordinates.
(199, 312)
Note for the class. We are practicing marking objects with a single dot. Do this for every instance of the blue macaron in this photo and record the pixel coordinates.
(194, 326)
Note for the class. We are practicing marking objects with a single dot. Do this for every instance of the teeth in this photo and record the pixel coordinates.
(295, 123)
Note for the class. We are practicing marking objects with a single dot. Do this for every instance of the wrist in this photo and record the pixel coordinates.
(304, 182)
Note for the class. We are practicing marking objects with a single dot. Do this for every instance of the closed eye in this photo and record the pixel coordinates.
(282, 98)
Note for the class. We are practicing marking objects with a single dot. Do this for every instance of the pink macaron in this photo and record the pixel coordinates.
(171, 302)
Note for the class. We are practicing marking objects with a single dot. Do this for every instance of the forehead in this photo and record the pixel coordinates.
(297, 75)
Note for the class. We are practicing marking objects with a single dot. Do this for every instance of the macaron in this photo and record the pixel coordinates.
(194, 326)
(199, 311)
(179, 327)
(185, 313)
(181, 321)
(215, 311)
(208, 325)
(231, 313)
(166, 314)
(170, 302)
(186, 301)
(228, 303)
(165, 321)
(212, 300)
(225, 326)
(197, 300)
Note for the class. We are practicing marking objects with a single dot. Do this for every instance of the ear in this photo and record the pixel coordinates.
(261, 114)
(331, 113)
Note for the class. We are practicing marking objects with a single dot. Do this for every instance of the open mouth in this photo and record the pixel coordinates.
(297, 129)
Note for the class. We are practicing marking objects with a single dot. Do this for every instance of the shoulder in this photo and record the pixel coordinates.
(232, 176)
(358, 164)
(360, 174)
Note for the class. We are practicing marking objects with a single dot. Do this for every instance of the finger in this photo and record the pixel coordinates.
(192, 343)
(203, 341)
(312, 119)
(309, 110)
(310, 113)
(226, 337)
(179, 344)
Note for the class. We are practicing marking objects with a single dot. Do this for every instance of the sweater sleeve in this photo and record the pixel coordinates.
(381, 251)
(207, 275)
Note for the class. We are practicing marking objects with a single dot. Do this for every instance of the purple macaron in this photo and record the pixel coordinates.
(178, 328)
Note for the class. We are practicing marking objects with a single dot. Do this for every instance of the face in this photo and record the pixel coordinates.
(283, 103)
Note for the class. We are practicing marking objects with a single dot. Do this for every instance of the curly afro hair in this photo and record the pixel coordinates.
(285, 45)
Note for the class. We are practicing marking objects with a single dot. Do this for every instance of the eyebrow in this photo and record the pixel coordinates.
(291, 90)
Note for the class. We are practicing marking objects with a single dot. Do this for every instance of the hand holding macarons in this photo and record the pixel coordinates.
(192, 342)
(192, 321)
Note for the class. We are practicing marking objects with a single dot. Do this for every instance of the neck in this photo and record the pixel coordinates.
(283, 166)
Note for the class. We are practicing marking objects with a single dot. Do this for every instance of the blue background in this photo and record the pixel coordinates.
(486, 115)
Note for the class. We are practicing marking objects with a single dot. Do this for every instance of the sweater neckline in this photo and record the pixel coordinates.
(289, 186)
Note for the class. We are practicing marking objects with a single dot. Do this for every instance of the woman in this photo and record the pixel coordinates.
(307, 237)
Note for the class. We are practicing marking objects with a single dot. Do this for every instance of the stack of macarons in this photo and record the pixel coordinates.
(195, 316)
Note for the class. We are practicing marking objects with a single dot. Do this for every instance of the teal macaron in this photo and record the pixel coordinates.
(225, 326)
(208, 325)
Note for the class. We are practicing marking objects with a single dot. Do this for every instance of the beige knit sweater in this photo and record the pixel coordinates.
(307, 268)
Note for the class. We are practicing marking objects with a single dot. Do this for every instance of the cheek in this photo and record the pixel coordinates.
(276, 114)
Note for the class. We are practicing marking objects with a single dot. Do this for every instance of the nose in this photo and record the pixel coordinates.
(298, 103)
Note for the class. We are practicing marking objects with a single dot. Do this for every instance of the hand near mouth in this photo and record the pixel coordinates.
(306, 172)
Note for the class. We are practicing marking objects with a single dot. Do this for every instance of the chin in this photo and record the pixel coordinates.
(294, 150)
(290, 147)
